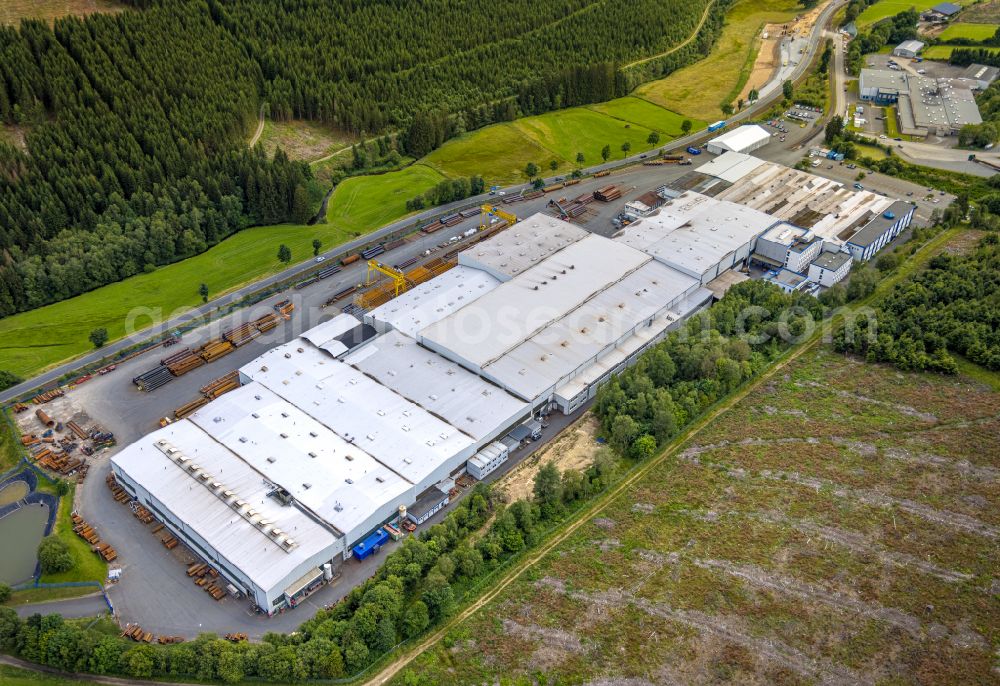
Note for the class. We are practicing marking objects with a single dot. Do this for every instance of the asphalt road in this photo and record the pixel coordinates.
(85, 606)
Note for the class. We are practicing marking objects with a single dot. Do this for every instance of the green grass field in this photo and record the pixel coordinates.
(33, 341)
(888, 8)
(943, 52)
(973, 31)
(699, 90)
(814, 533)
(638, 111)
(498, 153)
(564, 134)
(363, 203)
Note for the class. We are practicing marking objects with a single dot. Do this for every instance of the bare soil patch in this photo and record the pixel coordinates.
(574, 449)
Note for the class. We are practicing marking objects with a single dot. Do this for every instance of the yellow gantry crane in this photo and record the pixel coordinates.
(398, 278)
(488, 211)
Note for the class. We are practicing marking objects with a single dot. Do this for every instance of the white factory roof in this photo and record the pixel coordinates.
(576, 340)
(463, 399)
(324, 335)
(518, 248)
(234, 525)
(515, 311)
(571, 388)
(741, 138)
(398, 433)
(730, 166)
(433, 300)
(693, 232)
(335, 479)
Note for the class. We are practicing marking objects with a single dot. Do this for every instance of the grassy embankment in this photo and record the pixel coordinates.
(700, 89)
(816, 531)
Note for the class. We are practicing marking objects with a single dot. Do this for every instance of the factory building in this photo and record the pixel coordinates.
(228, 513)
(839, 215)
(699, 236)
(336, 432)
(925, 105)
(743, 139)
(877, 233)
(573, 308)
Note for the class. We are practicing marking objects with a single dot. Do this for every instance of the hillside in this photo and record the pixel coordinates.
(837, 527)
(124, 155)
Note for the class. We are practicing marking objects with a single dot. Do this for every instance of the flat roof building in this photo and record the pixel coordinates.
(417, 445)
(432, 300)
(698, 235)
(522, 246)
(830, 268)
(589, 299)
(443, 388)
(225, 510)
(925, 105)
(336, 480)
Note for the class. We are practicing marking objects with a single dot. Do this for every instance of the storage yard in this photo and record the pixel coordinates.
(398, 397)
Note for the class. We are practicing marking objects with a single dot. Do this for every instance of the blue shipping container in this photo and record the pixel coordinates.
(371, 545)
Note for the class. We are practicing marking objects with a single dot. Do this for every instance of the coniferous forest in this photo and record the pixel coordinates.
(135, 124)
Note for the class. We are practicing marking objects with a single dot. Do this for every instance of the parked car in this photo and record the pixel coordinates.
(693, 150)
(859, 187)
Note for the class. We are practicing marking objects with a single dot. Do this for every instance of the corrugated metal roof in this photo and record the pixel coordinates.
(395, 431)
(576, 340)
(433, 300)
(520, 247)
(730, 166)
(336, 480)
(508, 315)
(693, 232)
(206, 509)
(463, 399)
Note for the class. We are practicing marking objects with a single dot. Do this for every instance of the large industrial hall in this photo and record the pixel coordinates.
(370, 419)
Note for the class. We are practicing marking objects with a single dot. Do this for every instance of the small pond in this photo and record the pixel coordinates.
(13, 492)
(20, 533)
